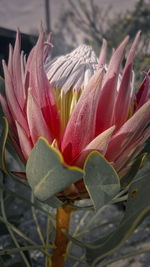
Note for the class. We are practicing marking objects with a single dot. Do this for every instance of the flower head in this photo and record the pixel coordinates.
(77, 103)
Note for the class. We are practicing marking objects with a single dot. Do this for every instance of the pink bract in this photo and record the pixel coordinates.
(77, 103)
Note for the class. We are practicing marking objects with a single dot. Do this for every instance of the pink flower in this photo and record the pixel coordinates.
(77, 103)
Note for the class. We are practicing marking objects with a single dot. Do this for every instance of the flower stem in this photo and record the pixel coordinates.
(62, 223)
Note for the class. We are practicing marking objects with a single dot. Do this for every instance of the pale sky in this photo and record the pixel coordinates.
(27, 14)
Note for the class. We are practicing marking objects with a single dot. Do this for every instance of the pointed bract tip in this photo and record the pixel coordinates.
(49, 38)
(4, 64)
(104, 42)
(139, 33)
(41, 28)
(18, 35)
(102, 54)
(125, 41)
(10, 48)
(137, 37)
(41, 35)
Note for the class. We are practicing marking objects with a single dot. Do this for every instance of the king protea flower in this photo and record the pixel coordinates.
(77, 103)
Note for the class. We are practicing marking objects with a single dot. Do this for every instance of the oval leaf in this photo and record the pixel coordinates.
(138, 206)
(101, 180)
(47, 173)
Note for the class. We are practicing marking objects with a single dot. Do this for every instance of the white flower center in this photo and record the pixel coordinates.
(72, 70)
(68, 75)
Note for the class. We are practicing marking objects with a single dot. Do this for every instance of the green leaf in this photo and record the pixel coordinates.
(46, 172)
(2, 85)
(14, 159)
(82, 244)
(2, 91)
(138, 205)
(127, 179)
(3, 138)
(101, 180)
(54, 202)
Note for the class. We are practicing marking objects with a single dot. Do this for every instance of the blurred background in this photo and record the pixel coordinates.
(75, 22)
(27, 13)
(72, 22)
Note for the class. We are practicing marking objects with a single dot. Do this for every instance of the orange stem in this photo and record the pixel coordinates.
(62, 223)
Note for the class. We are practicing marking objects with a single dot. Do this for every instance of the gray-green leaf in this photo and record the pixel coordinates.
(101, 180)
(138, 205)
(3, 138)
(46, 172)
